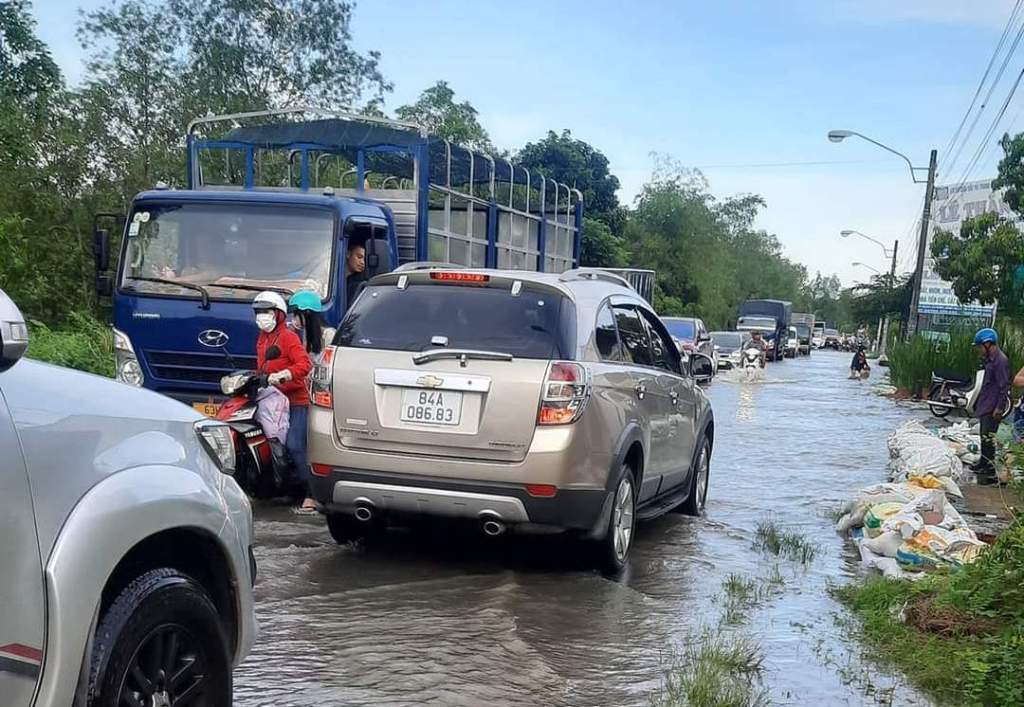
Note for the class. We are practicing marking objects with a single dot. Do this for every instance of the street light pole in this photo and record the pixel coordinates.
(914, 314)
(913, 321)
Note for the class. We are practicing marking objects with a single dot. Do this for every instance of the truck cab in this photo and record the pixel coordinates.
(275, 201)
(771, 318)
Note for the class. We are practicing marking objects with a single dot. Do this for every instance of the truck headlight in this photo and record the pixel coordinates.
(219, 444)
(126, 363)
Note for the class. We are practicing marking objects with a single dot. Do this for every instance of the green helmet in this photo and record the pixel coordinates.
(305, 301)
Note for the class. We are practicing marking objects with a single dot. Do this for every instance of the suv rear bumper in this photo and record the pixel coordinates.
(343, 489)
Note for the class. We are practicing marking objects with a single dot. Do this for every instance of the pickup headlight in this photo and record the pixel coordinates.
(219, 444)
(126, 364)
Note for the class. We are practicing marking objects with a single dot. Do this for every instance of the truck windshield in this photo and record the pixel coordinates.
(221, 247)
(755, 323)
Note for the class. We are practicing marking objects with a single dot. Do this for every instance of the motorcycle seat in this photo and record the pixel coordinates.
(952, 377)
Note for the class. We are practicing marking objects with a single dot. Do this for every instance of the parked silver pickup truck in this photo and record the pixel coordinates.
(126, 566)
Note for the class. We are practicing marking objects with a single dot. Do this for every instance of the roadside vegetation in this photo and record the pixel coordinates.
(771, 539)
(82, 342)
(911, 362)
(958, 636)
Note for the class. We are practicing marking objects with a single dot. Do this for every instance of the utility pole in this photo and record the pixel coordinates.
(884, 338)
(926, 217)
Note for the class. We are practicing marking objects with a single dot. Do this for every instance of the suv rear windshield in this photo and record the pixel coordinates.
(533, 324)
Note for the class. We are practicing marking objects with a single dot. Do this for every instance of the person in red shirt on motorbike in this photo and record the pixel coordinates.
(281, 355)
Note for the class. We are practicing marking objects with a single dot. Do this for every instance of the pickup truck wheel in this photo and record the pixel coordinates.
(699, 480)
(613, 548)
(160, 643)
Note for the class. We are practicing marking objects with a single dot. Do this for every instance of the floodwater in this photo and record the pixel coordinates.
(441, 616)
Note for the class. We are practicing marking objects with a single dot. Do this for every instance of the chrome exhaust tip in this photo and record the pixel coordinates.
(364, 512)
(492, 525)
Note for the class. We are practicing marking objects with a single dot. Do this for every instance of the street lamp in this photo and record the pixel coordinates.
(926, 215)
(865, 265)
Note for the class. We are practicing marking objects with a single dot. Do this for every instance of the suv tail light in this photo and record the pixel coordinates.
(322, 378)
(565, 393)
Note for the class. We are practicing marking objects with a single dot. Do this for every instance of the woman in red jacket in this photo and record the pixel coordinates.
(281, 355)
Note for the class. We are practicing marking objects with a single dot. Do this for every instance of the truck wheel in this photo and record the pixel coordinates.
(160, 643)
(613, 549)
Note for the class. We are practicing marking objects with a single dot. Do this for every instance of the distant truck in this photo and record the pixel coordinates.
(772, 318)
(804, 324)
(275, 201)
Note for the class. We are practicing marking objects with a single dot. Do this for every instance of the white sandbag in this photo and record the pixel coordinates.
(885, 544)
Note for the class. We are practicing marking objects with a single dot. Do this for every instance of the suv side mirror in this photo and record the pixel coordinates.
(702, 368)
(101, 249)
(13, 333)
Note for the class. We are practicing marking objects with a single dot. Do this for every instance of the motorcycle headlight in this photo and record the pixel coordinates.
(216, 439)
(230, 384)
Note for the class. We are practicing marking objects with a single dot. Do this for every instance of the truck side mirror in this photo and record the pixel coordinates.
(101, 249)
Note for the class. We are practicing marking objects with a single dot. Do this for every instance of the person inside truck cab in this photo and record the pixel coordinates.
(355, 266)
(281, 355)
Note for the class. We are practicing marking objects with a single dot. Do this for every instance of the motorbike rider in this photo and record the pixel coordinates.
(304, 318)
(995, 390)
(757, 342)
(281, 355)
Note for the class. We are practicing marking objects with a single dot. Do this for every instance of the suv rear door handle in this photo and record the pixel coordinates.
(674, 397)
(641, 390)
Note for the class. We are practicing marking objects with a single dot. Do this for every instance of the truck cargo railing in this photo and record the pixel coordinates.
(450, 203)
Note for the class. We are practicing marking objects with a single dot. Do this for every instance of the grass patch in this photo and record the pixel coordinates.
(743, 594)
(716, 670)
(958, 636)
(82, 342)
(770, 538)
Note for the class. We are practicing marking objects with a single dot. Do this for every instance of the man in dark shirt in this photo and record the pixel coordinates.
(992, 401)
(756, 342)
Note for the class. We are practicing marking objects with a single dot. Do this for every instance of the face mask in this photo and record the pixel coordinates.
(295, 322)
(266, 321)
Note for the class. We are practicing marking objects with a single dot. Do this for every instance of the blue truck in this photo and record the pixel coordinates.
(274, 200)
(772, 318)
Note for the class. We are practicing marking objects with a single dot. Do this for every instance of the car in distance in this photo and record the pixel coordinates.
(127, 546)
(516, 400)
(690, 335)
(792, 343)
(729, 348)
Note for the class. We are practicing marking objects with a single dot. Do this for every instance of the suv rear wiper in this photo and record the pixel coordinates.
(462, 354)
(204, 295)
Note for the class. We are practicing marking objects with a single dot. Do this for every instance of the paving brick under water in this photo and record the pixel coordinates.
(440, 616)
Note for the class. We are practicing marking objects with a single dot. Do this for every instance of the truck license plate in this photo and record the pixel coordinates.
(431, 407)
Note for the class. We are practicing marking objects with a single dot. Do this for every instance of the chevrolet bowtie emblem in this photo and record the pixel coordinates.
(429, 381)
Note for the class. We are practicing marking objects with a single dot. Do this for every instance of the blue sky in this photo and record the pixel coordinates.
(735, 88)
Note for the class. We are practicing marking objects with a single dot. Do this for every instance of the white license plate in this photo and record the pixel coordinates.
(431, 407)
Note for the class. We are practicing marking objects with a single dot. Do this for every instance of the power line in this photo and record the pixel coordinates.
(988, 96)
(984, 77)
(991, 131)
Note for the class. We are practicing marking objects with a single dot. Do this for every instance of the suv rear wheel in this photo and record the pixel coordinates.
(160, 643)
(614, 547)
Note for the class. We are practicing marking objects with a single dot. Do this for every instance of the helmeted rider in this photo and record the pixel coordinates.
(992, 400)
(756, 341)
(281, 355)
(305, 319)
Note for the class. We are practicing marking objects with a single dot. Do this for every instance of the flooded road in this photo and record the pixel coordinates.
(436, 617)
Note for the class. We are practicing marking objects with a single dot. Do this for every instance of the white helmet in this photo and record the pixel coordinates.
(269, 300)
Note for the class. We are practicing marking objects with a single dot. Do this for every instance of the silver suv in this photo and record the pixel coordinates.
(126, 563)
(515, 399)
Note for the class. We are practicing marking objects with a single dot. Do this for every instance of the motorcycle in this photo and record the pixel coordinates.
(951, 391)
(752, 363)
(262, 462)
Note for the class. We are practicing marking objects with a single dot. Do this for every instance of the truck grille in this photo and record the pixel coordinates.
(194, 367)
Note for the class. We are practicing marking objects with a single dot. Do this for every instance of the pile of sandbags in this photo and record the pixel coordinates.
(908, 527)
(915, 451)
(964, 440)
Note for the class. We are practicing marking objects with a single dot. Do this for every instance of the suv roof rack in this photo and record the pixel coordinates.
(428, 265)
(594, 274)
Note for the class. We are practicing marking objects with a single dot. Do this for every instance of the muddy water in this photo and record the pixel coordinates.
(442, 617)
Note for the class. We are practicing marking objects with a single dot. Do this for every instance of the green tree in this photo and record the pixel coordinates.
(581, 166)
(438, 112)
(600, 247)
(982, 261)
